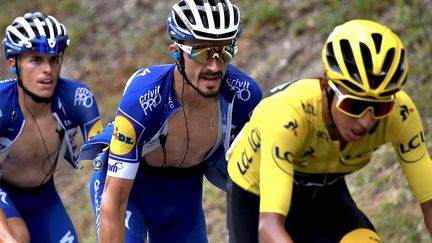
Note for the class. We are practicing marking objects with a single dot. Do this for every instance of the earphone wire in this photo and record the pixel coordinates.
(52, 165)
(186, 125)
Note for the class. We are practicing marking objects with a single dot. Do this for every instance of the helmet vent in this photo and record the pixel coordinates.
(179, 22)
(350, 85)
(213, 2)
(374, 79)
(388, 60)
(190, 16)
(377, 38)
(331, 59)
(182, 4)
(204, 19)
(350, 62)
(221, 36)
(367, 58)
(388, 93)
(399, 71)
(236, 17)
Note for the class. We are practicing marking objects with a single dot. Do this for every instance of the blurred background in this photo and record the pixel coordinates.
(281, 40)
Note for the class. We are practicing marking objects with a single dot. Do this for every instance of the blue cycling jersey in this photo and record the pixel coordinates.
(164, 208)
(40, 207)
(73, 105)
(149, 101)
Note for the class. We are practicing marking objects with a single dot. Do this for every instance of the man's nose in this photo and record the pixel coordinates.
(367, 121)
(215, 62)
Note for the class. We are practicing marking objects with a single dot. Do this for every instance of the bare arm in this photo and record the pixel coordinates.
(426, 208)
(113, 209)
(5, 233)
(272, 228)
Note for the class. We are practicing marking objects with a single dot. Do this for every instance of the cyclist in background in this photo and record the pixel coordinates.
(288, 164)
(39, 115)
(173, 125)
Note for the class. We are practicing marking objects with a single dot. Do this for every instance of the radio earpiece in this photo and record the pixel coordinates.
(175, 54)
(13, 70)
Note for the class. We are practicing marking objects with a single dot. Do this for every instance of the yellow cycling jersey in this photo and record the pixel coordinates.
(287, 133)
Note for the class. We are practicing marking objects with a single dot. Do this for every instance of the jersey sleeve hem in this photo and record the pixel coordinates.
(122, 170)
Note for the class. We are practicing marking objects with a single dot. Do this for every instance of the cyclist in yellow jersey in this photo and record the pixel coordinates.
(288, 164)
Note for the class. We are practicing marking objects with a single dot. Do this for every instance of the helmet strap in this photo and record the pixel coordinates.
(330, 96)
(180, 63)
(33, 96)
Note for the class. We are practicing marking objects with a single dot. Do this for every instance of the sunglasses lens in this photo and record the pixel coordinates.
(382, 109)
(199, 55)
(352, 106)
(356, 107)
(203, 55)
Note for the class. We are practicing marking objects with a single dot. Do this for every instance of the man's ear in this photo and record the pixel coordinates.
(175, 53)
(11, 62)
(323, 83)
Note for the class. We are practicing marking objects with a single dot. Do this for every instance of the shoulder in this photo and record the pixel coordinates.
(75, 95)
(147, 78)
(402, 97)
(297, 100)
(237, 80)
(72, 90)
(68, 85)
(404, 110)
(301, 87)
(404, 107)
(404, 121)
(240, 86)
(147, 91)
(7, 84)
(295, 93)
(147, 84)
(8, 90)
(405, 129)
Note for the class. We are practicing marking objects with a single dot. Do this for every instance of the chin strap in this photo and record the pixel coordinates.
(180, 63)
(34, 97)
(330, 96)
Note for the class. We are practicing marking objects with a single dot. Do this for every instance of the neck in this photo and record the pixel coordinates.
(187, 94)
(29, 105)
(330, 125)
(326, 107)
(34, 97)
(327, 104)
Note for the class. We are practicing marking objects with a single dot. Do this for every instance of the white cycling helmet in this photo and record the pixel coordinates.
(213, 20)
(36, 32)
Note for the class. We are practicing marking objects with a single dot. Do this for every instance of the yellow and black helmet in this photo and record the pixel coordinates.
(366, 58)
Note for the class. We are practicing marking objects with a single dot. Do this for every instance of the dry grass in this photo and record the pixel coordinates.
(382, 192)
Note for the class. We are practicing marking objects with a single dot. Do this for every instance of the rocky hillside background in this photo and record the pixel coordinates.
(282, 40)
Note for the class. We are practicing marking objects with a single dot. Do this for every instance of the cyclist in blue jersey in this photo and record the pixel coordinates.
(173, 125)
(39, 115)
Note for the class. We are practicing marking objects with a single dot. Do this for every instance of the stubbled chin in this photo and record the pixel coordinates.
(210, 84)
